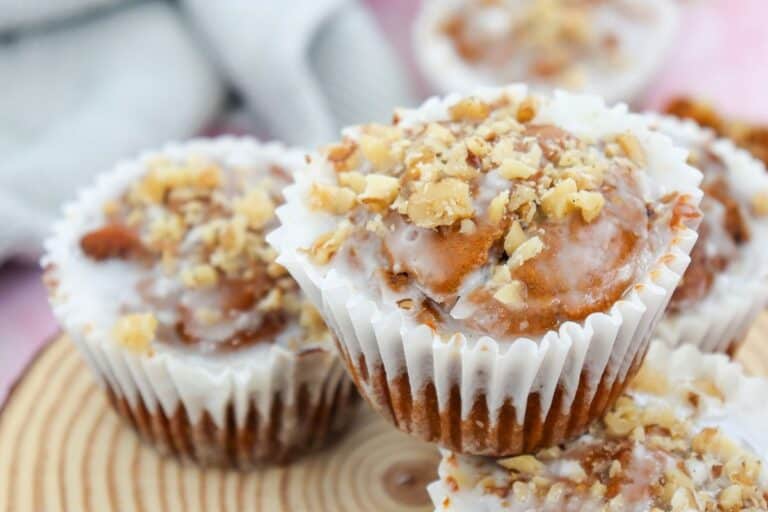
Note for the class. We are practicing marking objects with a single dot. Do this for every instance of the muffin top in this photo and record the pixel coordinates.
(185, 236)
(493, 219)
(591, 45)
(734, 198)
(672, 442)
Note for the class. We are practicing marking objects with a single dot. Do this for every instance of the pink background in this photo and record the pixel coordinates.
(721, 54)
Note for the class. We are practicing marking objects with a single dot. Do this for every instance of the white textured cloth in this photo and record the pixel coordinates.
(75, 101)
(95, 89)
(19, 13)
(305, 67)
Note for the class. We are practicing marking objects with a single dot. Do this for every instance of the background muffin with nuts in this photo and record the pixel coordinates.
(160, 273)
(609, 47)
(687, 435)
(726, 285)
(512, 250)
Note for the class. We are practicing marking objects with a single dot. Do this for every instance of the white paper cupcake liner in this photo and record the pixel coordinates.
(428, 386)
(743, 418)
(283, 390)
(721, 320)
(446, 71)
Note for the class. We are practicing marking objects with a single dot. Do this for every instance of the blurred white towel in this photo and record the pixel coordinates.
(75, 101)
(94, 90)
(305, 67)
(15, 13)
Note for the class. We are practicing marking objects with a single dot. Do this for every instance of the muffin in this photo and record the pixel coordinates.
(687, 435)
(161, 276)
(610, 47)
(749, 136)
(493, 265)
(726, 285)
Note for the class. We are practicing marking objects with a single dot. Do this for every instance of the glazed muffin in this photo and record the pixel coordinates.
(160, 274)
(687, 435)
(750, 136)
(726, 285)
(608, 47)
(493, 265)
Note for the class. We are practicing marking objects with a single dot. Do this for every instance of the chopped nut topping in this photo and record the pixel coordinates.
(498, 207)
(136, 332)
(514, 239)
(556, 202)
(511, 294)
(257, 207)
(522, 464)
(200, 276)
(353, 180)
(336, 200)
(195, 236)
(526, 251)
(513, 169)
(760, 203)
(440, 204)
(326, 245)
(380, 191)
(470, 109)
(589, 203)
(632, 148)
(527, 110)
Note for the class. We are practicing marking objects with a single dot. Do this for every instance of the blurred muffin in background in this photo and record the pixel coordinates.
(609, 47)
(160, 274)
(726, 285)
(750, 136)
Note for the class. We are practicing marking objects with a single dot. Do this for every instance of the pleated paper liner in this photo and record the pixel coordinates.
(63, 448)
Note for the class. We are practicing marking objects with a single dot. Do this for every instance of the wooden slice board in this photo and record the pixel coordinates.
(63, 449)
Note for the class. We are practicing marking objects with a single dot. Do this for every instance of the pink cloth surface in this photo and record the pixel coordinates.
(721, 54)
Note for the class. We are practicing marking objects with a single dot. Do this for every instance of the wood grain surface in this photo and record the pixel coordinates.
(63, 449)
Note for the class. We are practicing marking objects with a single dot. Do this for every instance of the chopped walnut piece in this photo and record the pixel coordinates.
(353, 180)
(589, 203)
(511, 294)
(440, 204)
(272, 302)
(342, 155)
(200, 276)
(512, 169)
(514, 238)
(256, 206)
(525, 251)
(760, 203)
(498, 207)
(527, 110)
(331, 199)
(377, 151)
(467, 227)
(326, 245)
(522, 464)
(380, 191)
(632, 148)
(730, 498)
(470, 109)
(136, 331)
(556, 202)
